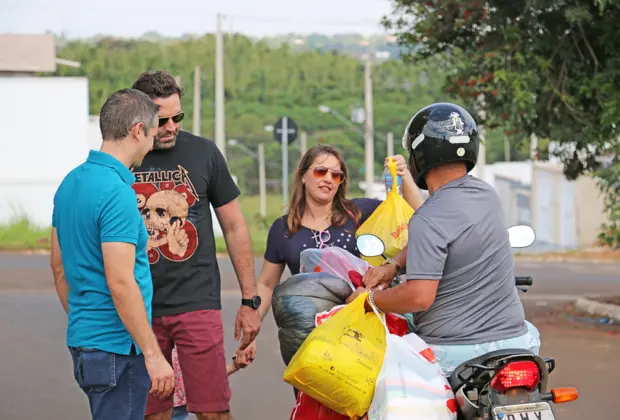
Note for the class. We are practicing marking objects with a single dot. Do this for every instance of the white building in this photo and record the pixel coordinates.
(45, 127)
(565, 214)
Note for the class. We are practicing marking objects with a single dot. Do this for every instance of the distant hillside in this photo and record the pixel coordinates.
(381, 46)
(268, 78)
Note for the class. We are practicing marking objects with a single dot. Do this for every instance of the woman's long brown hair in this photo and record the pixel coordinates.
(342, 209)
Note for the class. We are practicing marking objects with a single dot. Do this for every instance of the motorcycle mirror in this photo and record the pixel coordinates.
(370, 245)
(521, 236)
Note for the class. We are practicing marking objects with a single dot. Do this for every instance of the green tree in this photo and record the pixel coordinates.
(548, 67)
(263, 82)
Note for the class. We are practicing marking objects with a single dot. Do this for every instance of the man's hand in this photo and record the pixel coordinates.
(243, 358)
(248, 321)
(379, 276)
(161, 374)
(355, 294)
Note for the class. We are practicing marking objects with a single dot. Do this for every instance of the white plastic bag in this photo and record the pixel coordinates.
(334, 261)
(411, 385)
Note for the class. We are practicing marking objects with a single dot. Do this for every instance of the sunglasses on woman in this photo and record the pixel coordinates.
(176, 118)
(321, 172)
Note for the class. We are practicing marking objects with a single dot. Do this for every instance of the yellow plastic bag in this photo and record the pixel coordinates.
(389, 222)
(339, 361)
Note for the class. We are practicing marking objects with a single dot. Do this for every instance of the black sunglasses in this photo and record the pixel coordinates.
(177, 118)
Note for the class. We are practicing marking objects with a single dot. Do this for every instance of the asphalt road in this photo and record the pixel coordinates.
(37, 381)
(553, 280)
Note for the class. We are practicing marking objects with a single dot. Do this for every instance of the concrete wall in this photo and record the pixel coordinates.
(518, 171)
(590, 210)
(567, 214)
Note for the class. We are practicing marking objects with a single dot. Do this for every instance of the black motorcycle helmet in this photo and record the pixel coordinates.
(437, 134)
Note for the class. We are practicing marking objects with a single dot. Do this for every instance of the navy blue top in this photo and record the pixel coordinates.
(95, 204)
(284, 248)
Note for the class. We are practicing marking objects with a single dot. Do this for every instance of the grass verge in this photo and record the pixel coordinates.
(22, 235)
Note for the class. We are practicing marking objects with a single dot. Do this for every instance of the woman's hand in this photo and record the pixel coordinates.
(411, 192)
(242, 359)
(247, 356)
(401, 165)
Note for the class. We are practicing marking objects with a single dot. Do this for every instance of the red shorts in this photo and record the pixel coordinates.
(199, 339)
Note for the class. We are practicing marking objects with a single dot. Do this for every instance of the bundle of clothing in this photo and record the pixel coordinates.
(298, 300)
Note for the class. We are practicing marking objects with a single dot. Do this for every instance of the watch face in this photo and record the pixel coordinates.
(252, 302)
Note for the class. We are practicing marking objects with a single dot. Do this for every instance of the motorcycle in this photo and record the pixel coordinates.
(507, 384)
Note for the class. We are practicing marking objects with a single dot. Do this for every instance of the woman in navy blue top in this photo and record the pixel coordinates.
(320, 215)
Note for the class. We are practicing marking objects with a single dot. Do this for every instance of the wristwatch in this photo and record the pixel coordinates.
(253, 302)
(392, 262)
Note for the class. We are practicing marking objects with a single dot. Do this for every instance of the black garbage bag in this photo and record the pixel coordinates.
(297, 300)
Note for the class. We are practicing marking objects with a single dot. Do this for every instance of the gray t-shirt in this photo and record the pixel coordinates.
(458, 236)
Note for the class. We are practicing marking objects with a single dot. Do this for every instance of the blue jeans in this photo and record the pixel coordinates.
(116, 385)
(180, 413)
(450, 357)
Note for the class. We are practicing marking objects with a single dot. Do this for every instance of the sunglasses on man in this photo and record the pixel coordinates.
(176, 118)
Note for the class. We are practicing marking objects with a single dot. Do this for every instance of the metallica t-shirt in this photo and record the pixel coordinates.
(174, 189)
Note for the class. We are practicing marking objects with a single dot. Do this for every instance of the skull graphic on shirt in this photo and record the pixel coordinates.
(164, 207)
(164, 214)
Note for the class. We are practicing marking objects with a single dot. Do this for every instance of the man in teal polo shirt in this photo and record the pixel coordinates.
(101, 268)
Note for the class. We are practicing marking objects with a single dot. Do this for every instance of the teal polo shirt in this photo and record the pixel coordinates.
(95, 204)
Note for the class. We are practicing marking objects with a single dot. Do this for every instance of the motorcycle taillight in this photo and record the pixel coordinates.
(521, 374)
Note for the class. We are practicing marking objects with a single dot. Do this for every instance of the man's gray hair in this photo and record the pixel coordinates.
(124, 109)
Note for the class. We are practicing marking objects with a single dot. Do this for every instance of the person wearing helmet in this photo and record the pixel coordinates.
(458, 263)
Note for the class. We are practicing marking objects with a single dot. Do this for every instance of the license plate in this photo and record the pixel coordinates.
(529, 411)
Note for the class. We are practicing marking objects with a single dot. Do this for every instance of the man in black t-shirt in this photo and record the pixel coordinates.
(176, 184)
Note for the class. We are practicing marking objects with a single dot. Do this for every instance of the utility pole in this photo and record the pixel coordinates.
(506, 148)
(482, 153)
(177, 79)
(220, 140)
(303, 142)
(262, 183)
(369, 133)
(196, 126)
(390, 144)
(534, 176)
(284, 143)
(534, 146)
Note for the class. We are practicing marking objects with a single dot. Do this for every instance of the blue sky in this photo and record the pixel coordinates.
(82, 18)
